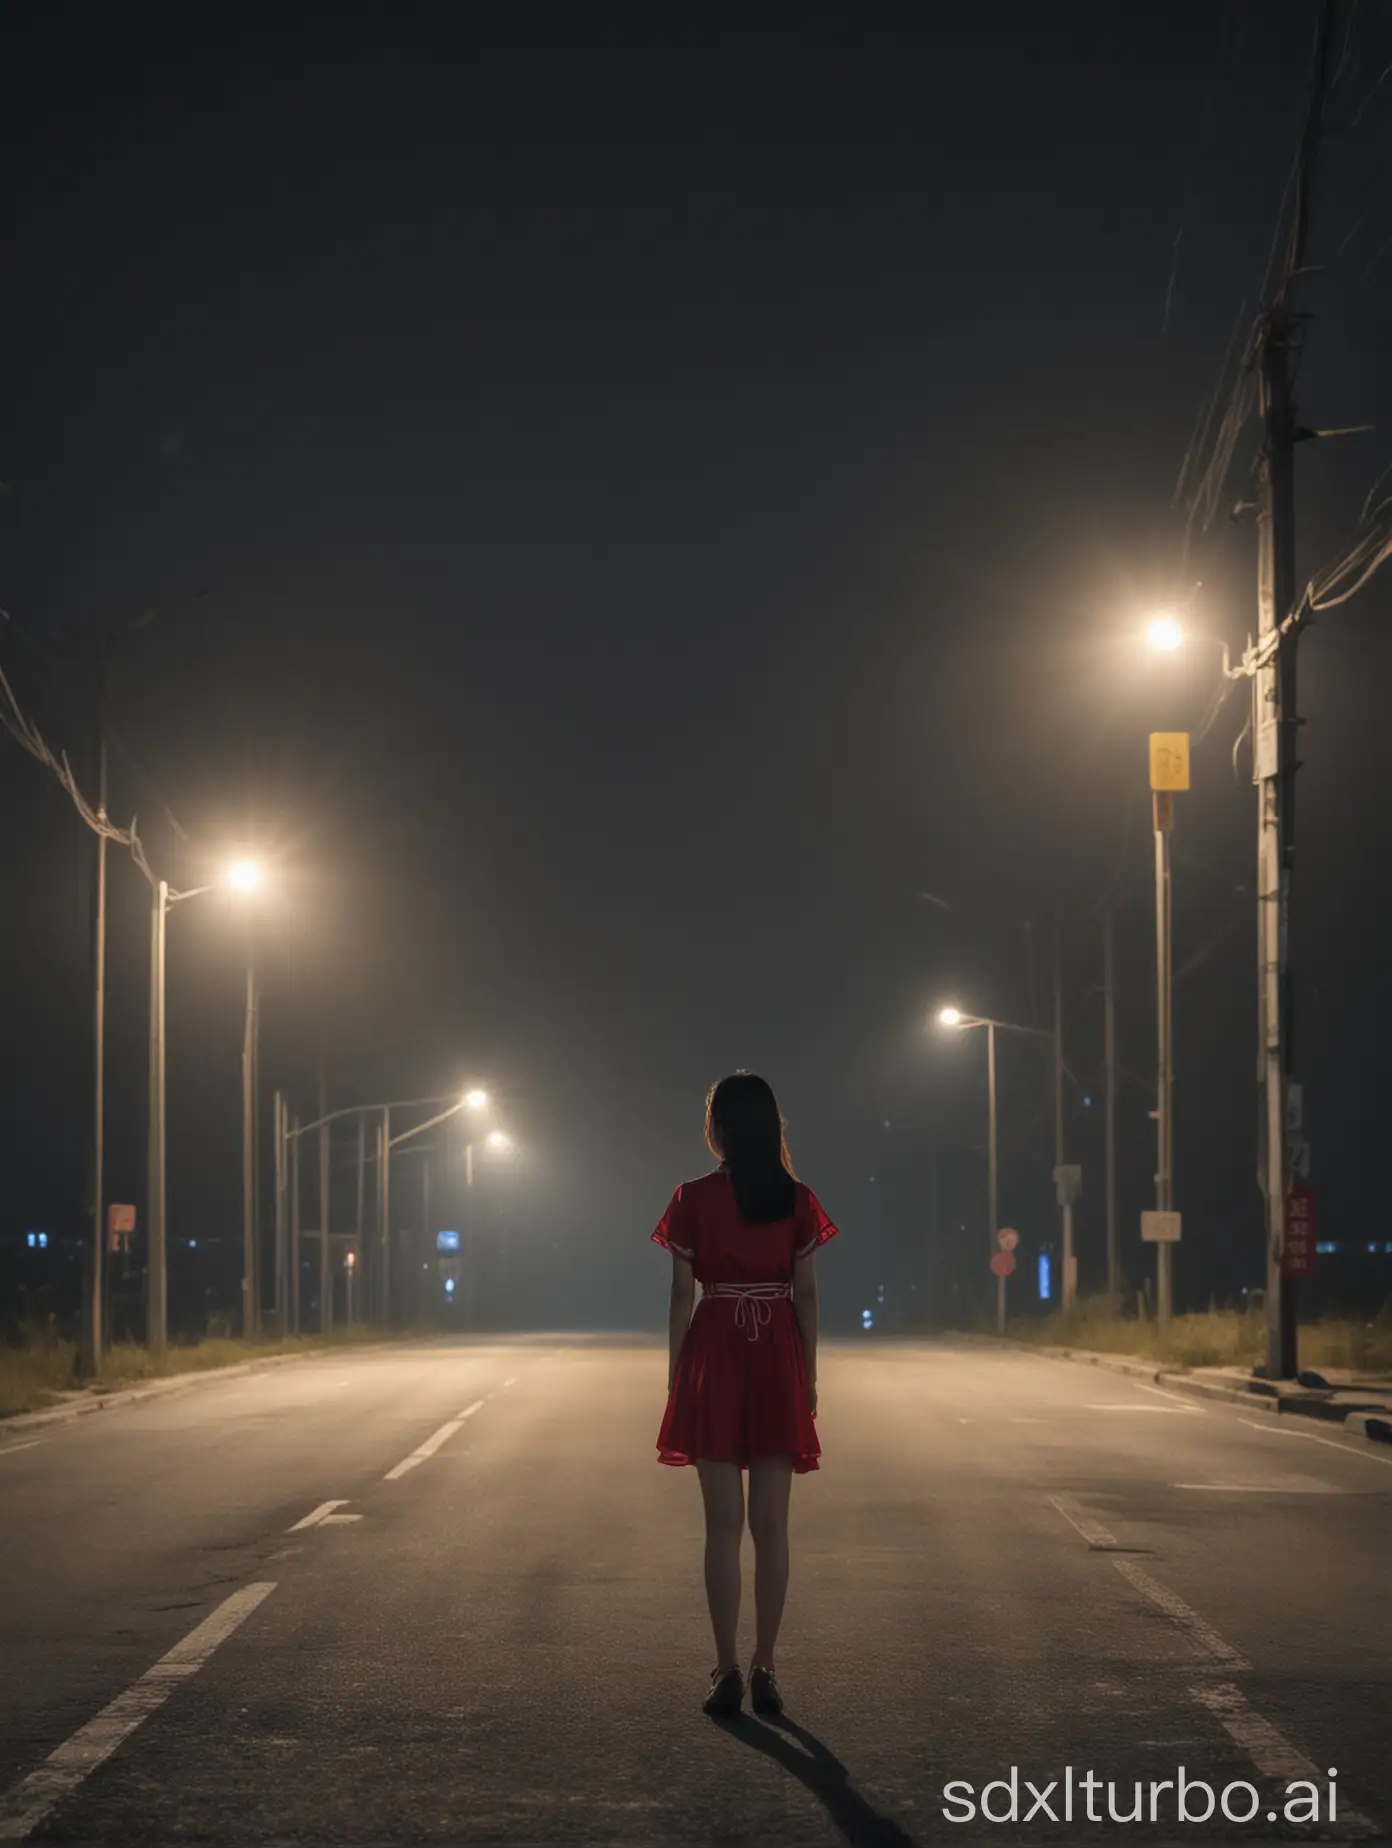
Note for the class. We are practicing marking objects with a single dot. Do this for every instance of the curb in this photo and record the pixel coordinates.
(1371, 1422)
(153, 1389)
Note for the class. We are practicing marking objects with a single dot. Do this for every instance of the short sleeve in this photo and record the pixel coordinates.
(676, 1230)
(814, 1228)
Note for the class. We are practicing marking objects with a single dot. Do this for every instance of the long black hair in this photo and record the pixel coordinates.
(744, 1130)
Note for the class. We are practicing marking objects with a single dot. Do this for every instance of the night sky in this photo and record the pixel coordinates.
(636, 500)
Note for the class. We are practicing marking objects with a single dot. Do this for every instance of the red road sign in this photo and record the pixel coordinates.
(1002, 1263)
(1007, 1238)
(1298, 1259)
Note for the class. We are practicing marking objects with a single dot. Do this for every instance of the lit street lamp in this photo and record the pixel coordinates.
(956, 1021)
(244, 876)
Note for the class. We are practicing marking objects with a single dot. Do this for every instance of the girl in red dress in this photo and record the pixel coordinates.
(742, 1371)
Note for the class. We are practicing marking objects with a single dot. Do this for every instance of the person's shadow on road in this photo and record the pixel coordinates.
(818, 1768)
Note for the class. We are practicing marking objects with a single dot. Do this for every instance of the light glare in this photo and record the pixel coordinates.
(476, 1100)
(244, 876)
(1165, 634)
(497, 1140)
(950, 1017)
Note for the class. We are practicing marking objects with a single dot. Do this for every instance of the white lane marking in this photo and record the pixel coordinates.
(1031, 1421)
(966, 1421)
(1309, 1437)
(336, 1520)
(1269, 1750)
(1263, 1488)
(10, 1449)
(31, 1799)
(1176, 1399)
(317, 1515)
(432, 1443)
(1202, 1636)
(1092, 1531)
(1163, 1411)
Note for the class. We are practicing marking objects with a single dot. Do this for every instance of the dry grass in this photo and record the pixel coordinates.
(1216, 1338)
(38, 1372)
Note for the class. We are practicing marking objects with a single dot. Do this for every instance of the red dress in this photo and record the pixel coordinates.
(741, 1380)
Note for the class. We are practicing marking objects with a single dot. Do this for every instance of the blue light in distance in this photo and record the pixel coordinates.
(32, 1239)
(449, 1286)
(1045, 1281)
(447, 1241)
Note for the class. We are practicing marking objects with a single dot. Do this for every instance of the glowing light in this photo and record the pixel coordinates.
(1165, 633)
(497, 1140)
(950, 1017)
(244, 876)
(475, 1100)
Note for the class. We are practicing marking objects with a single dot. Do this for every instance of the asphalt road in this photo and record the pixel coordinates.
(1005, 1561)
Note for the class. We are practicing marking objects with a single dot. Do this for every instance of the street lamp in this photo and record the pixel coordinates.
(243, 876)
(476, 1100)
(955, 1020)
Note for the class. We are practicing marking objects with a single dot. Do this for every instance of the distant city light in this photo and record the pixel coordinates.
(867, 1319)
(1330, 1245)
(193, 1244)
(1045, 1281)
(449, 1286)
(447, 1241)
(498, 1140)
(1087, 1103)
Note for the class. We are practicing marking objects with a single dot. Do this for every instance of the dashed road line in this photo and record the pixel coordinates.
(1162, 1411)
(1203, 1638)
(10, 1449)
(432, 1443)
(1097, 1536)
(1160, 1393)
(33, 1797)
(1270, 1751)
(325, 1515)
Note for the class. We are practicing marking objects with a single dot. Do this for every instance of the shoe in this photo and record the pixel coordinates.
(726, 1693)
(763, 1691)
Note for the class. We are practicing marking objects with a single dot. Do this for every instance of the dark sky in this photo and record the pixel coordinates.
(636, 497)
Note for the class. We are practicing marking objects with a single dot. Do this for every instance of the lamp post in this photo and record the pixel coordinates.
(955, 1020)
(243, 876)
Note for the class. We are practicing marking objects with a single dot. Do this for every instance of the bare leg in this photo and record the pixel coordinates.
(722, 1490)
(770, 1479)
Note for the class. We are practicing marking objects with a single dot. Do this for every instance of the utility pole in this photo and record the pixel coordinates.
(281, 1293)
(1109, 1039)
(384, 1145)
(1163, 803)
(295, 1223)
(90, 1355)
(992, 1164)
(1070, 1262)
(156, 1235)
(325, 1267)
(249, 1284)
(362, 1190)
(1273, 731)
(1274, 726)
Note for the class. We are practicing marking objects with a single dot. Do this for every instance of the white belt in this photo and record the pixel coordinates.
(753, 1302)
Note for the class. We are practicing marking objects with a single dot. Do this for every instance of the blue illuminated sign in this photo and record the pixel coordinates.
(447, 1241)
(1045, 1283)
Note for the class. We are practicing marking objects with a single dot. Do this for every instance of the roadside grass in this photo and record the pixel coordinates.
(1215, 1338)
(39, 1370)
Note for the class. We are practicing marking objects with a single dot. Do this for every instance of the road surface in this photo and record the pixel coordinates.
(445, 1593)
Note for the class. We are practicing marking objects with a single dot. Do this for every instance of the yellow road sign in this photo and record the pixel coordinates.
(1169, 760)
